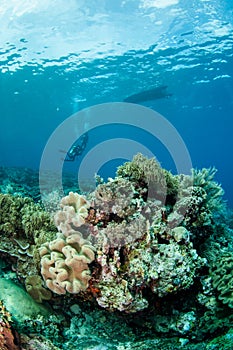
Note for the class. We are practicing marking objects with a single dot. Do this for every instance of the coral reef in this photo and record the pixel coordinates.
(146, 265)
(21, 182)
(143, 245)
(152, 247)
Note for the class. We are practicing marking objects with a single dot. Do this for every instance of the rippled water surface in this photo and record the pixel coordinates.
(58, 57)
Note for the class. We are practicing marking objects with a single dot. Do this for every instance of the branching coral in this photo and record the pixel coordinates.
(24, 226)
(198, 200)
(10, 213)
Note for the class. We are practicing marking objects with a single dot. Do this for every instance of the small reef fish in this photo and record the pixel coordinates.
(149, 95)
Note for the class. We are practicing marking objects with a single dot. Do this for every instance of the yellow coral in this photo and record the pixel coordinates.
(34, 287)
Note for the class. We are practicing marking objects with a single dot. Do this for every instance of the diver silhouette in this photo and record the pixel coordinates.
(76, 150)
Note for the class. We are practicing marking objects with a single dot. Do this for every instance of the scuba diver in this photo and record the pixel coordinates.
(76, 150)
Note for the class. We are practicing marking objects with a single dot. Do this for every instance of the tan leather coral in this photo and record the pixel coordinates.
(64, 263)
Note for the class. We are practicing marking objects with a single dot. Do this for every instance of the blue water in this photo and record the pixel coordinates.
(57, 58)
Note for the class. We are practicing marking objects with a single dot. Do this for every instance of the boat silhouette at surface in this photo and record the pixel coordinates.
(149, 95)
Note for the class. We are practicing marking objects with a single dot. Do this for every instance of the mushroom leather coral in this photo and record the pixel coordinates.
(64, 263)
(73, 214)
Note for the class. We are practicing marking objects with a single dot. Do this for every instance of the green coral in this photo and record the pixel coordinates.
(214, 321)
(24, 226)
(10, 213)
(21, 217)
(213, 192)
(35, 219)
(18, 302)
(222, 276)
(223, 342)
(34, 287)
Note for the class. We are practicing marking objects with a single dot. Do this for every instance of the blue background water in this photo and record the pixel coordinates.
(57, 58)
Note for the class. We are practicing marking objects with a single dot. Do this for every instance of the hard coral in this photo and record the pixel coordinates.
(198, 200)
(159, 182)
(64, 263)
(117, 197)
(115, 295)
(24, 226)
